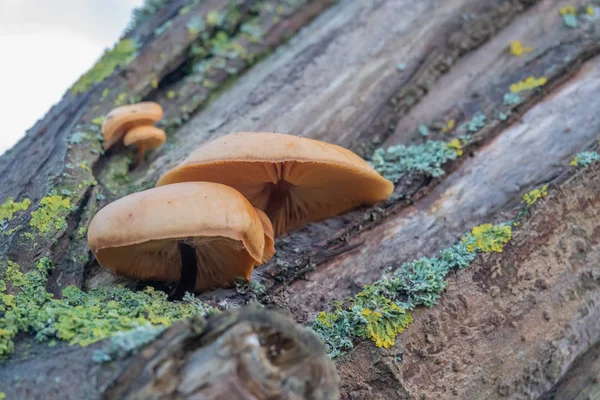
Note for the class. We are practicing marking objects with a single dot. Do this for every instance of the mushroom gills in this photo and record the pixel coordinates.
(276, 196)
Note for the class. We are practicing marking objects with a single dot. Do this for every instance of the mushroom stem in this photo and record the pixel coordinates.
(187, 279)
(140, 153)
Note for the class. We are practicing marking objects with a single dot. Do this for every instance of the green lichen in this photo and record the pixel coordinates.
(120, 55)
(569, 14)
(511, 99)
(243, 286)
(584, 159)
(125, 343)
(164, 27)
(570, 21)
(82, 231)
(117, 172)
(476, 123)
(381, 310)
(144, 13)
(10, 207)
(98, 120)
(427, 158)
(214, 18)
(196, 26)
(82, 318)
(121, 98)
(534, 195)
(50, 215)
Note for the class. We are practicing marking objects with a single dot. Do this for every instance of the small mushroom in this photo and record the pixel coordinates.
(123, 119)
(203, 235)
(294, 180)
(269, 251)
(146, 137)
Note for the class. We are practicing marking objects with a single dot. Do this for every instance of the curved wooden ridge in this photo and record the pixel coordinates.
(520, 323)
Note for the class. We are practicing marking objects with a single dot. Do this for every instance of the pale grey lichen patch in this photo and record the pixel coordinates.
(125, 343)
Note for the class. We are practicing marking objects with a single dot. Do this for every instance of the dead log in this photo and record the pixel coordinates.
(242, 354)
(364, 75)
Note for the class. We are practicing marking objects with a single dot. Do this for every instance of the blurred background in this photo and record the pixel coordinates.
(45, 45)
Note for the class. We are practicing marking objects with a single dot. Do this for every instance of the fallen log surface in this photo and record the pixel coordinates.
(522, 323)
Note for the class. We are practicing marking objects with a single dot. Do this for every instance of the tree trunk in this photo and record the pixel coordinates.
(520, 323)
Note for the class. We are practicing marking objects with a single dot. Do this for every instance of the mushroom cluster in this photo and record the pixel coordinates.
(134, 124)
(216, 215)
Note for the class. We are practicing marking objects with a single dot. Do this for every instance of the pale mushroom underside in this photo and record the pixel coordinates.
(292, 193)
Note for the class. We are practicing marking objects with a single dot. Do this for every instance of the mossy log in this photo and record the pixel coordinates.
(520, 323)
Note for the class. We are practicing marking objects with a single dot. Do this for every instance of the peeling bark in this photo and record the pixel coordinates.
(511, 326)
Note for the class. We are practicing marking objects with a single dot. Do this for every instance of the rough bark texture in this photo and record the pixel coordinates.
(243, 354)
(519, 324)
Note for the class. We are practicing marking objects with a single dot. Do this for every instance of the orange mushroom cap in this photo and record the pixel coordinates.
(294, 180)
(151, 137)
(269, 251)
(124, 118)
(137, 236)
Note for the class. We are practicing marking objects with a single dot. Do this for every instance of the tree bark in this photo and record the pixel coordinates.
(243, 354)
(516, 324)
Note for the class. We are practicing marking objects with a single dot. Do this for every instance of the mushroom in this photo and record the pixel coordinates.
(201, 234)
(269, 251)
(294, 180)
(121, 120)
(146, 137)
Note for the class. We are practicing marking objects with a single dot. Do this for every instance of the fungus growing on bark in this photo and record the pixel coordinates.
(134, 123)
(201, 234)
(294, 180)
(146, 137)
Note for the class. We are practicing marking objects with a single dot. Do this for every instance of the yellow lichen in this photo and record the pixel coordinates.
(98, 120)
(449, 126)
(590, 10)
(574, 161)
(83, 165)
(171, 94)
(456, 145)
(9, 208)
(517, 48)
(154, 83)
(568, 10)
(121, 99)
(383, 328)
(531, 197)
(488, 238)
(529, 83)
(326, 319)
(51, 213)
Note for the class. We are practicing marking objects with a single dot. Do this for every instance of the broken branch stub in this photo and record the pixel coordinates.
(247, 353)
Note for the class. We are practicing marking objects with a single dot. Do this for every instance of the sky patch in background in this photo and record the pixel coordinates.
(45, 45)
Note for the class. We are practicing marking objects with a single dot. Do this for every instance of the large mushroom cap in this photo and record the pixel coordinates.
(124, 118)
(269, 251)
(137, 236)
(294, 180)
(150, 136)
